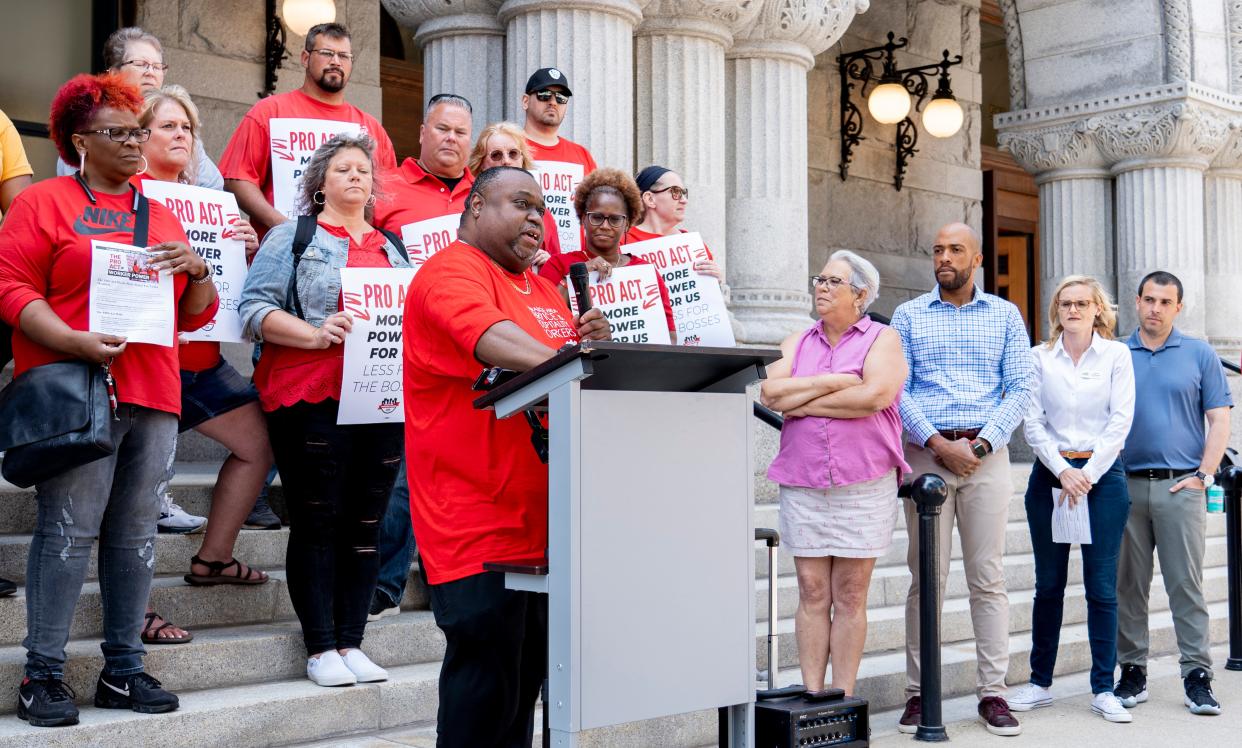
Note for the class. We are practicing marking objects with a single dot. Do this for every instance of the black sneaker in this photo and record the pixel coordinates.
(139, 692)
(1199, 699)
(262, 517)
(46, 703)
(7, 587)
(382, 607)
(1131, 690)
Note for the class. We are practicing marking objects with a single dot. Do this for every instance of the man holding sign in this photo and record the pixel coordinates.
(264, 160)
(561, 163)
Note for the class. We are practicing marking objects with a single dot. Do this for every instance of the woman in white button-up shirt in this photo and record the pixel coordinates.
(1077, 424)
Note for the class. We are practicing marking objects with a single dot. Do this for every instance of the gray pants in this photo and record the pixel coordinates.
(1175, 525)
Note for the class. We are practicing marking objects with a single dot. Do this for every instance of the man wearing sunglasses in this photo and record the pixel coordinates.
(561, 163)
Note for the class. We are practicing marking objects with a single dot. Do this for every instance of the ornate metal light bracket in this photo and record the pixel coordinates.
(916, 81)
(860, 66)
(274, 50)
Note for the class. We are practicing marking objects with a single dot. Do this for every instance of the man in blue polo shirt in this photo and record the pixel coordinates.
(1170, 461)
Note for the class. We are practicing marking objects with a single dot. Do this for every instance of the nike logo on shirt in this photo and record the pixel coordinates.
(96, 220)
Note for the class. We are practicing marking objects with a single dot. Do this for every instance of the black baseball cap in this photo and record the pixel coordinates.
(546, 78)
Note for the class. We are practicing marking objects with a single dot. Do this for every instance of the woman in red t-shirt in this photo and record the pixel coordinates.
(47, 245)
(607, 202)
(504, 144)
(665, 195)
(336, 479)
(216, 400)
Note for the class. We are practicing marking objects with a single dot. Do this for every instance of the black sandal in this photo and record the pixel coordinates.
(217, 575)
(152, 635)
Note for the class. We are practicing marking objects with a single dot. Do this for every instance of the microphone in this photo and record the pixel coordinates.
(582, 290)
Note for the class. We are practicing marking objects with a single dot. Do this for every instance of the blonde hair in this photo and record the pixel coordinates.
(181, 97)
(1106, 312)
(480, 146)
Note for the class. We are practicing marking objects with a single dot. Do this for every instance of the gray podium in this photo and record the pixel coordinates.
(650, 566)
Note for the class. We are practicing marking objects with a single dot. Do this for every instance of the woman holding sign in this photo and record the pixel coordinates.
(504, 144)
(1077, 425)
(337, 478)
(664, 196)
(216, 400)
(59, 240)
(840, 463)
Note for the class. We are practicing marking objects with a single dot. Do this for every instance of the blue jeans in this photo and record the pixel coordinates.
(117, 499)
(1108, 507)
(396, 546)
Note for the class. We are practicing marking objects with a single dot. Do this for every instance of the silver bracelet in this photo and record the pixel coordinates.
(206, 276)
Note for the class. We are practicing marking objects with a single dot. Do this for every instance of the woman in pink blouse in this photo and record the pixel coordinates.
(840, 463)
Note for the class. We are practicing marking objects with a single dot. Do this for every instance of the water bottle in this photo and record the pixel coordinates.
(1215, 499)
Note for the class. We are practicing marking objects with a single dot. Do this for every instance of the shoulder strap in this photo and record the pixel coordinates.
(396, 242)
(142, 218)
(301, 240)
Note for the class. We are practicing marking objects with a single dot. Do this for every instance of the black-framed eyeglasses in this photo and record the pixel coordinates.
(327, 55)
(122, 134)
(676, 192)
(545, 96)
(832, 281)
(1081, 305)
(144, 66)
(615, 220)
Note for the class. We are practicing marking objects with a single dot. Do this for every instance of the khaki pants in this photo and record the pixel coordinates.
(980, 504)
(1175, 526)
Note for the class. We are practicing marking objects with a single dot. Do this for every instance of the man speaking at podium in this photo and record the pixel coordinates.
(478, 491)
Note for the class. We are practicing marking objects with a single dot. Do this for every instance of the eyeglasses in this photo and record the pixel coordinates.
(1081, 305)
(677, 193)
(561, 98)
(144, 66)
(615, 220)
(327, 55)
(832, 281)
(122, 134)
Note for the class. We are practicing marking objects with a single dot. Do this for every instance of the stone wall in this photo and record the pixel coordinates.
(895, 229)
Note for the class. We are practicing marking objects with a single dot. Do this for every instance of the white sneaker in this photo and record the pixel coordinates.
(362, 667)
(328, 669)
(174, 519)
(1107, 706)
(1029, 697)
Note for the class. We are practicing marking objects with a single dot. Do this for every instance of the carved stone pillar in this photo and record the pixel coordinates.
(680, 84)
(593, 42)
(1222, 198)
(463, 51)
(765, 86)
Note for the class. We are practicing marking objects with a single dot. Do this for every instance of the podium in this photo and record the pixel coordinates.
(650, 572)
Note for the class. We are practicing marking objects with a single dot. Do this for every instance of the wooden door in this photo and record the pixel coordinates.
(1012, 271)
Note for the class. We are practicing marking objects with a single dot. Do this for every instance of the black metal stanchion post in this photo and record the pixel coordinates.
(929, 493)
(1231, 481)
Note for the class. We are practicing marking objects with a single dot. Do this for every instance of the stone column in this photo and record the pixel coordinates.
(1222, 199)
(463, 51)
(765, 85)
(593, 42)
(680, 85)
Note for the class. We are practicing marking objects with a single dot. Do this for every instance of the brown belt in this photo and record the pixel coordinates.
(1077, 455)
(955, 434)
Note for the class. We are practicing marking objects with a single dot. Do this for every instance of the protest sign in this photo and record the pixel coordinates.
(371, 374)
(128, 296)
(422, 239)
(698, 305)
(559, 179)
(206, 216)
(630, 299)
(293, 141)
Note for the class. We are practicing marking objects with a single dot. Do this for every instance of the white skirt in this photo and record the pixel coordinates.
(854, 521)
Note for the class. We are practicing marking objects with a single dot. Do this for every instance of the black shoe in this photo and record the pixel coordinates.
(7, 587)
(46, 703)
(139, 692)
(382, 607)
(1131, 690)
(1199, 699)
(262, 517)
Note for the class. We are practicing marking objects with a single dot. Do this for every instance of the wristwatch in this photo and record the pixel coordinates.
(1207, 478)
(980, 448)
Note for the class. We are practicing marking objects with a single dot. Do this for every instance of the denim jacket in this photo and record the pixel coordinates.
(319, 277)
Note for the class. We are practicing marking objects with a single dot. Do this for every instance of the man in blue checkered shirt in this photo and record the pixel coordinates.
(971, 376)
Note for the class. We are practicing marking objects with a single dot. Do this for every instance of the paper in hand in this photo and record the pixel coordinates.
(1070, 525)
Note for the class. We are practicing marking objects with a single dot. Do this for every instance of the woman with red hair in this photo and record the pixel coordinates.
(46, 245)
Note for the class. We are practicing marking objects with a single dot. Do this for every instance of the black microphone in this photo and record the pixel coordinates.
(582, 289)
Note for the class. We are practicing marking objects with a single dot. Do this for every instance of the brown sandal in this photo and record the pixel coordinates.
(151, 632)
(217, 575)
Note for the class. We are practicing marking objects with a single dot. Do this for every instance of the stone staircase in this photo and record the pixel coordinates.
(242, 681)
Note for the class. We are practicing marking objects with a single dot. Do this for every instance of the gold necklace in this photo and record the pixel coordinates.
(503, 272)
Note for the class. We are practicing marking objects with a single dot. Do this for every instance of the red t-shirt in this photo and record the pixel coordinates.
(477, 489)
(557, 268)
(565, 150)
(285, 375)
(413, 195)
(45, 253)
(248, 156)
(635, 235)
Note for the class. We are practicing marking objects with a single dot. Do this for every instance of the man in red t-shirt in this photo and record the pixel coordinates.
(270, 147)
(561, 162)
(478, 491)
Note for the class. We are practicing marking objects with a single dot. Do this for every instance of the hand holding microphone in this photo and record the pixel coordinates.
(592, 324)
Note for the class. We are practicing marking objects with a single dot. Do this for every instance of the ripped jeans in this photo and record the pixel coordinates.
(336, 481)
(115, 499)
